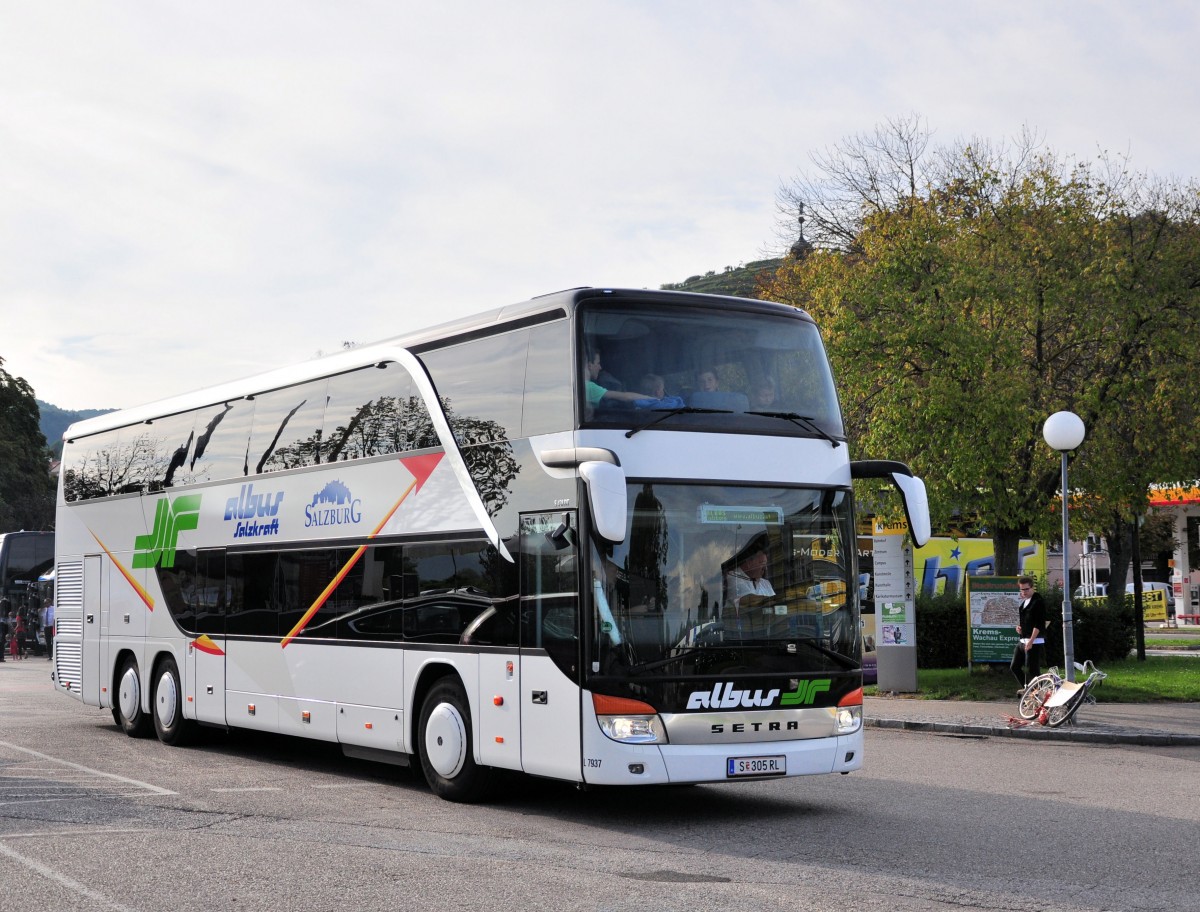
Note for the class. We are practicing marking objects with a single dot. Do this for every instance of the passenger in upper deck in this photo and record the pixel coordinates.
(763, 397)
(654, 385)
(597, 393)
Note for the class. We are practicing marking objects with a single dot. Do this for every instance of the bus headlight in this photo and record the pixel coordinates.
(628, 721)
(633, 729)
(848, 718)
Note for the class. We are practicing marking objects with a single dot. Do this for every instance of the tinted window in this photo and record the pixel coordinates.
(251, 586)
(300, 581)
(221, 449)
(756, 371)
(548, 385)
(287, 428)
(481, 385)
(173, 440)
(550, 589)
(370, 599)
(115, 462)
(373, 412)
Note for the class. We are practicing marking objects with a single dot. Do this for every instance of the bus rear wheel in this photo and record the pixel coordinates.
(127, 708)
(169, 724)
(444, 744)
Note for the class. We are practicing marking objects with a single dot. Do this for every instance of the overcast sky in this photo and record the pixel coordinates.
(192, 192)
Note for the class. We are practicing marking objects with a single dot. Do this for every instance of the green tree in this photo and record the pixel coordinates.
(26, 485)
(966, 293)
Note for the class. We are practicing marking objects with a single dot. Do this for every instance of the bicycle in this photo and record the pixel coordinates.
(1051, 700)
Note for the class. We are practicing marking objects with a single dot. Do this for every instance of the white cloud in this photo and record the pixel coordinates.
(192, 192)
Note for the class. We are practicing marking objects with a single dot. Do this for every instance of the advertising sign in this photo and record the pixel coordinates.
(1154, 605)
(993, 612)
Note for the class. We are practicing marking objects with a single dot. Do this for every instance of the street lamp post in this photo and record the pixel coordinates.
(1064, 431)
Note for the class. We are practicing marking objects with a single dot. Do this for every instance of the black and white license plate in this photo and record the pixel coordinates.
(756, 766)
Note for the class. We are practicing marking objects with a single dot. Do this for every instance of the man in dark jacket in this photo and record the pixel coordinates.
(1027, 657)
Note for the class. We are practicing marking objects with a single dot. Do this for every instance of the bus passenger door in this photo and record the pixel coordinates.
(550, 713)
(204, 674)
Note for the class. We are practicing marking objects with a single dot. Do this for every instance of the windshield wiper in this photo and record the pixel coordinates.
(802, 420)
(682, 410)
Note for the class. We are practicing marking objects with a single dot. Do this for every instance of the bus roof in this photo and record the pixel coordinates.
(375, 352)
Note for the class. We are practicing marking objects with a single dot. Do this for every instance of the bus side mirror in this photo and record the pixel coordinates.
(607, 498)
(912, 493)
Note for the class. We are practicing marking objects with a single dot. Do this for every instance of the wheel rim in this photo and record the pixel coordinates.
(168, 700)
(129, 697)
(446, 741)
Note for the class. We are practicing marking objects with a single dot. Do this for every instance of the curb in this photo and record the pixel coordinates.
(1077, 733)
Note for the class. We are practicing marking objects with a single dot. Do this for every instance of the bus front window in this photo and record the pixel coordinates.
(716, 578)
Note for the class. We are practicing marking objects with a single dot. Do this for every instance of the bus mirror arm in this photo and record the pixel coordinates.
(607, 498)
(912, 492)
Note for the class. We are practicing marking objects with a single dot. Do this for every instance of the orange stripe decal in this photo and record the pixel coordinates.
(137, 587)
(420, 467)
(205, 644)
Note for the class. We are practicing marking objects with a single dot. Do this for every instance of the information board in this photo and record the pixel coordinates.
(993, 612)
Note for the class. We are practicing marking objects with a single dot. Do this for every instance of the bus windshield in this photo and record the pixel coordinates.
(725, 579)
(762, 372)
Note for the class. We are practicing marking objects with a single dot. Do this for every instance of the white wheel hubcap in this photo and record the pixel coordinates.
(446, 741)
(167, 700)
(129, 699)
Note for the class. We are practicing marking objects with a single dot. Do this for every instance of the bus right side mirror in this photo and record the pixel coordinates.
(607, 498)
(912, 492)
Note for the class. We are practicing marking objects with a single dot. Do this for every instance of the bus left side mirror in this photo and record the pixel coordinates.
(607, 498)
(912, 493)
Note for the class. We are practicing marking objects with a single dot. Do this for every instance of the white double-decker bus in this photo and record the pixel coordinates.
(604, 536)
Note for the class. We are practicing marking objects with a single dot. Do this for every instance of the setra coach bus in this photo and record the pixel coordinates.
(603, 536)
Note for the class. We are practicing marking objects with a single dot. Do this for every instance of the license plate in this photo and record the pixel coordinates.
(756, 766)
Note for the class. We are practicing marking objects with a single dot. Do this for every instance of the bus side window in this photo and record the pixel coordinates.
(548, 406)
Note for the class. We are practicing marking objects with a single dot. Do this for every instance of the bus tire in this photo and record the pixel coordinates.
(169, 724)
(128, 706)
(444, 745)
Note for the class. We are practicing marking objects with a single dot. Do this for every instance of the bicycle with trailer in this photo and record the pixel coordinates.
(1051, 700)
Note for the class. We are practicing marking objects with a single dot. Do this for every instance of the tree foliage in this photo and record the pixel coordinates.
(26, 485)
(966, 293)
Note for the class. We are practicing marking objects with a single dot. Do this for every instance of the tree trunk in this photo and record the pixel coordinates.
(1007, 544)
(1118, 562)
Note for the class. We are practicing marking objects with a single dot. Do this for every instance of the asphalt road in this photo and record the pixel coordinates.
(93, 820)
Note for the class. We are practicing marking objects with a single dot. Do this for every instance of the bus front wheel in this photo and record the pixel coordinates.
(127, 709)
(445, 745)
(169, 724)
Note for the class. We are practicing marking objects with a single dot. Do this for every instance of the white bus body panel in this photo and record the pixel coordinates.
(680, 456)
(498, 724)
(204, 685)
(550, 717)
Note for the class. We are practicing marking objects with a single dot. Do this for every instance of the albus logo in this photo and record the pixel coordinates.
(333, 505)
(256, 514)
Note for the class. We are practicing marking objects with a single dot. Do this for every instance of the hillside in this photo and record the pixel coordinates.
(742, 281)
(54, 421)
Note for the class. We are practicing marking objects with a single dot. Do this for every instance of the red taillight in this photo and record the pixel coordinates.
(621, 706)
(854, 698)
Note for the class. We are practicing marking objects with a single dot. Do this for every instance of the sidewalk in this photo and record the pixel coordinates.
(1173, 724)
